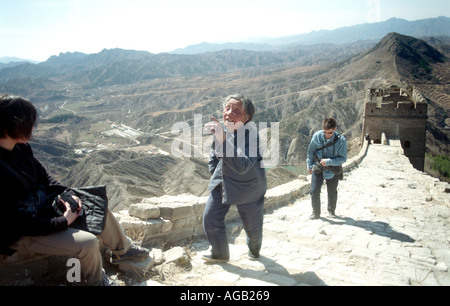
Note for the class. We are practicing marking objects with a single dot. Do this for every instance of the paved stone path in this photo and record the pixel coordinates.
(392, 229)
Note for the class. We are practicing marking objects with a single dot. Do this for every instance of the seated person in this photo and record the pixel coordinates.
(28, 225)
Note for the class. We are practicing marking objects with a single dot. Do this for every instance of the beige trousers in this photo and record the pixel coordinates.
(80, 244)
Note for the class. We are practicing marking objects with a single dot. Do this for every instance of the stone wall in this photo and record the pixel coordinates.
(165, 219)
(400, 113)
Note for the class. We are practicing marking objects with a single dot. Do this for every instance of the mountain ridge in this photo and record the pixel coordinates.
(428, 27)
(439, 26)
(117, 66)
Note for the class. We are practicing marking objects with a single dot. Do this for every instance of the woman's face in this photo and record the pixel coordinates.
(234, 113)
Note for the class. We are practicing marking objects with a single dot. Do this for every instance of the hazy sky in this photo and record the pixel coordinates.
(37, 29)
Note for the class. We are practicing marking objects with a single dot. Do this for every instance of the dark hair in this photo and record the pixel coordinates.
(247, 105)
(17, 117)
(329, 123)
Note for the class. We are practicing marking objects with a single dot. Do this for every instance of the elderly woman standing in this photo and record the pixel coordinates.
(238, 177)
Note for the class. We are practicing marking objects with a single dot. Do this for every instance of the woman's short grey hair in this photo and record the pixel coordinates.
(247, 104)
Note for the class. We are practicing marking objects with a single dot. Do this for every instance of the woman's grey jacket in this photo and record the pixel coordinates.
(237, 166)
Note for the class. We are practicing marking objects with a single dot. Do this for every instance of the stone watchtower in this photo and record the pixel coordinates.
(398, 114)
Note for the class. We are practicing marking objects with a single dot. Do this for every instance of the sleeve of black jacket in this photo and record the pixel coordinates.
(14, 224)
(44, 224)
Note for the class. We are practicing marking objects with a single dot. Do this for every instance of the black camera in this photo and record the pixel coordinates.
(317, 169)
(74, 206)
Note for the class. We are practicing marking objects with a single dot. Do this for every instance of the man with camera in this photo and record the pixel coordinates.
(326, 154)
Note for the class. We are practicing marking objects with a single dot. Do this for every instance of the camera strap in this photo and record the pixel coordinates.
(331, 143)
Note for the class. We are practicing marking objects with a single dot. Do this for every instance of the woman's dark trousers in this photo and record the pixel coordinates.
(251, 214)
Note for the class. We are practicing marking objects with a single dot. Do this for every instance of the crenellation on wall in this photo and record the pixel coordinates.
(401, 109)
(394, 95)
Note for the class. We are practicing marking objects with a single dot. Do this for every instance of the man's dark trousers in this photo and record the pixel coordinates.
(316, 186)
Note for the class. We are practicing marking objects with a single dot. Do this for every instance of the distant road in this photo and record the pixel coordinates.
(67, 109)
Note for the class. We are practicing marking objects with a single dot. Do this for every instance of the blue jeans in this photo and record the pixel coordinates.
(316, 185)
(251, 214)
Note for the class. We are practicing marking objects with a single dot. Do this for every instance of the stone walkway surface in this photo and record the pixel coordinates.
(392, 228)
